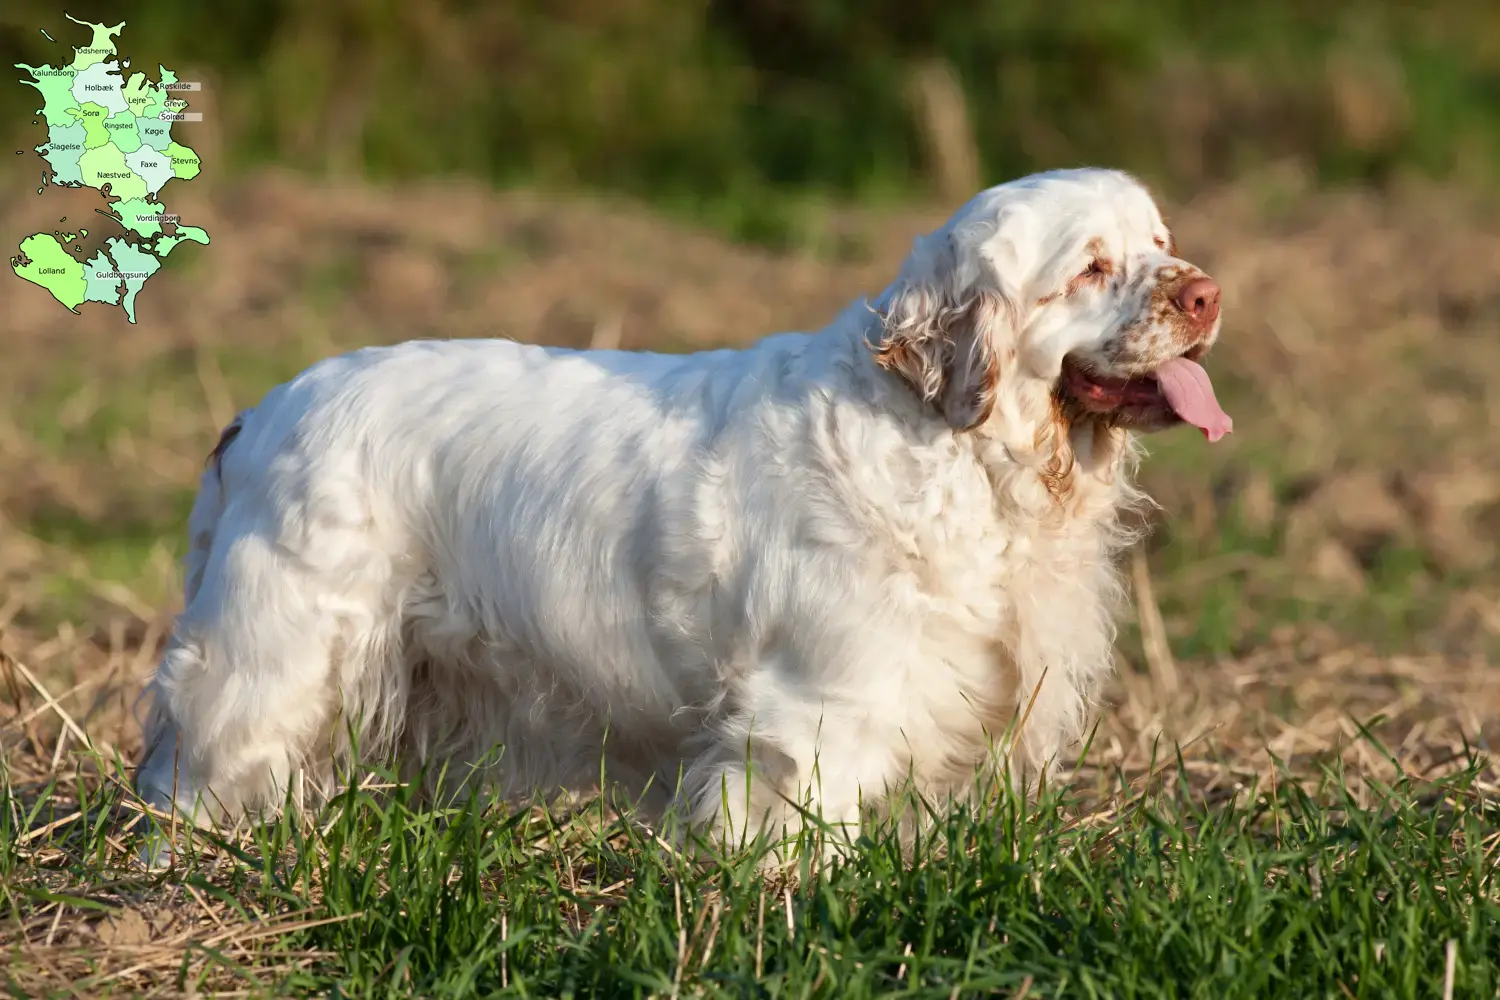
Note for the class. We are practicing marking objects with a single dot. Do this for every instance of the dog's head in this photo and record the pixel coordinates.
(1069, 279)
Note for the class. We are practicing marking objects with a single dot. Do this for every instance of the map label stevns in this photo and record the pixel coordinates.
(114, 135)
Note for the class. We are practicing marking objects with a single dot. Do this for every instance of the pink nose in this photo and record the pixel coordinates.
(1199, 298)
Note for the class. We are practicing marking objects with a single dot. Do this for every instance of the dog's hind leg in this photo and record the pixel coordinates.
(286, 645)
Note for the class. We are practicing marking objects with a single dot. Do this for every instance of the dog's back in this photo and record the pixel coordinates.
(450, 545)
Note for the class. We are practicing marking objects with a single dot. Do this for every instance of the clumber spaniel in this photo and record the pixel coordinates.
(809, 571)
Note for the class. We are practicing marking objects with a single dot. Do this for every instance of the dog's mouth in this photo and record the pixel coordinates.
(1179, 391)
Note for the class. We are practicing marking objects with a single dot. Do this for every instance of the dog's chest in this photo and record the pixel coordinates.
(990, 605)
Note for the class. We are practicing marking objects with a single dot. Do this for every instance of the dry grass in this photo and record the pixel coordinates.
(1333, 566)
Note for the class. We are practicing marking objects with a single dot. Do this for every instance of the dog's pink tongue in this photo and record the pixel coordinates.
(1191, 395)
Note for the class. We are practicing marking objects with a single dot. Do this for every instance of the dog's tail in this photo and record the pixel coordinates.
(209, 507)
(226, 438)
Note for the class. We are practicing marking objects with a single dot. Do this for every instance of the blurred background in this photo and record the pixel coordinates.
(674, 174)
(712, 107)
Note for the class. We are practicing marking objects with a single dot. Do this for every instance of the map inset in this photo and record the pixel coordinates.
(114, 135)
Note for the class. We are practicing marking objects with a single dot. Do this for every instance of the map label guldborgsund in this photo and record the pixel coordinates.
(113, 135)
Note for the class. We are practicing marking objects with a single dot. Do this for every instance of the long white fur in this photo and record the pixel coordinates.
(733, 577)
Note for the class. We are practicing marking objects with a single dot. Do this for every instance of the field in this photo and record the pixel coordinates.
(1289, 791)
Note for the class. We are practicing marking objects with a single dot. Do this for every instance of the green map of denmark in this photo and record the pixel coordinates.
(114, 135)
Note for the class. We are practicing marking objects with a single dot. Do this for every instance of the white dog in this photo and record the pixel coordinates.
(827, 565)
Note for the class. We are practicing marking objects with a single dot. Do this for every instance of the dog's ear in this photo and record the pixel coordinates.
(942, 331)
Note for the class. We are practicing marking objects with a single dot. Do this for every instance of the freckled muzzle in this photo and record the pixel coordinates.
(1187, 305)
(1175, 389)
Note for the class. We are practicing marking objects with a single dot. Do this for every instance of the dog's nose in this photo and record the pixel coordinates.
(1199, 298)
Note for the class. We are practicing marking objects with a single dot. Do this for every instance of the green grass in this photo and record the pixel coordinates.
(1289, 891)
